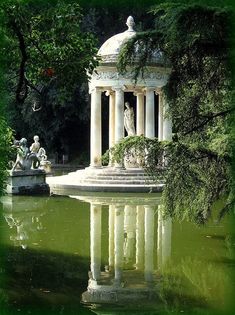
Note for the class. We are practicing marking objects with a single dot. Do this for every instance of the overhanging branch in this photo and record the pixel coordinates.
(208, 119)
(22, 88)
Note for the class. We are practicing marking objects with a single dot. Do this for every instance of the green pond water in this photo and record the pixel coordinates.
(134, 262)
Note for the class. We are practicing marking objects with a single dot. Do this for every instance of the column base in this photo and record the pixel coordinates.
(119, 167)
(94, 167)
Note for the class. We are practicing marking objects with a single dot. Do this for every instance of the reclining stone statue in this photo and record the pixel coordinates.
(30, 158)
(24, 159)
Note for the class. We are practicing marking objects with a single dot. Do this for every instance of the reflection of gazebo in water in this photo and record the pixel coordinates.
(150, 117)
(139, 245)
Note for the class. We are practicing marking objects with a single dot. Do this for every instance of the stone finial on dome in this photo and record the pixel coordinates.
(130, 23)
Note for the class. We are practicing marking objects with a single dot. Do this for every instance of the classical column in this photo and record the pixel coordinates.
(159, 237)
(140, 113)
(160, 114)
(149, 113)
(111, 118)
(95, 136)
(119, 113)
(95, 241)
(140, 237)
(167, 124)
(111, 236)
(149, 242)
(118, 242)
(119, 118)
(111, 95)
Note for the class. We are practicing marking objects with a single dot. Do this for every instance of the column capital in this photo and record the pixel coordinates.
(118, 88)
(158, 91)
(149, 88)
(135, 93)
(109, 92)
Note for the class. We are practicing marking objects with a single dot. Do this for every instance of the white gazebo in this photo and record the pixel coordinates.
(150, 113)
(106, 78)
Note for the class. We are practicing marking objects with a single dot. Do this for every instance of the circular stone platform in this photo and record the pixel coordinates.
(105, 179)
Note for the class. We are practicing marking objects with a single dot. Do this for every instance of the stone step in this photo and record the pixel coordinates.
(114, 182)
(112, 177)
(84, 179)
(61, 187)
(127, 174)
(106, 180)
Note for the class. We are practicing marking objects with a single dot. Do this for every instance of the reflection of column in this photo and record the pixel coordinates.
(149, 114)
(166, 240)
(159, 238)
(118, 242)
(95, 247)
(111, 236)
(140, 113)
(95, 136)
(167, 124)
(140, 238)
(149, 242)
(129, 228)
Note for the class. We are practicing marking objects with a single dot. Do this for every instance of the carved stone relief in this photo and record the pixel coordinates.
(109, 75)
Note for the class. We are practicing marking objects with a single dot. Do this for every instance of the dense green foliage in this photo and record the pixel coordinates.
(49, 55)
(199, 94)
(51, 46)
(5, 131)
(5, 151)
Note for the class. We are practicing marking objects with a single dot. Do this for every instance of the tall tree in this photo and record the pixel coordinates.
(196, 41)
(5, 131)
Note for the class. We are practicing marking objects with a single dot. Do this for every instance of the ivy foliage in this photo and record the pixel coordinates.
(147, 152)
(195, 41)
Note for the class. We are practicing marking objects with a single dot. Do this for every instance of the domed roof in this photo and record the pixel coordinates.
(111, 48)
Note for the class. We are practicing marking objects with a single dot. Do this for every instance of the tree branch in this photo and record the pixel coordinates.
(209, 118)
(22, 89)
(33, 86)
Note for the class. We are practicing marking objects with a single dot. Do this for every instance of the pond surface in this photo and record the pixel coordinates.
(111, 254)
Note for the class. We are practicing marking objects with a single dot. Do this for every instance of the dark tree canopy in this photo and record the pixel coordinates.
(48, 44)
(49, 53)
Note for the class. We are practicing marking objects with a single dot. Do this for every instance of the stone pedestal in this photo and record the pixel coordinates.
(28, 182)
